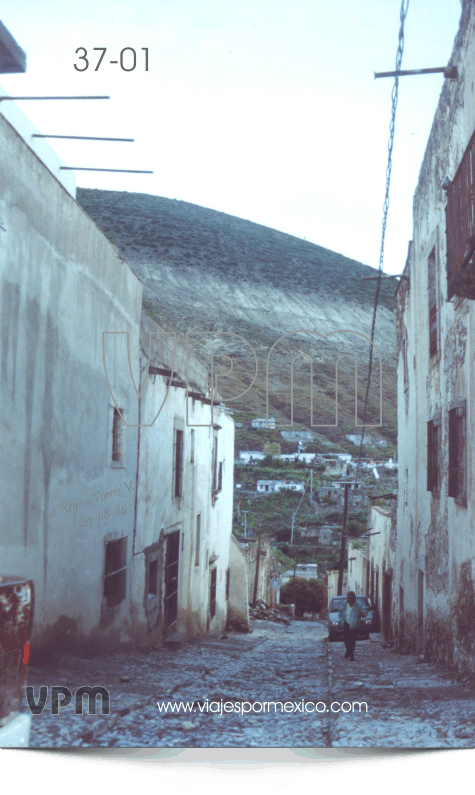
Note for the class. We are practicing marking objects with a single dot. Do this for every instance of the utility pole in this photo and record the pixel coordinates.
(311, 484)
(292, 530)
(245, 523)
(295, 567)
(258, 554)
(343, 541)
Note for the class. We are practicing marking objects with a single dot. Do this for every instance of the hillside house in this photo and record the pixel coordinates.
(125, 529)
(249, 456)
(307, 458)
(368, 440)
(330, 494)
(435, 564)
(264, 486)
(261, 422)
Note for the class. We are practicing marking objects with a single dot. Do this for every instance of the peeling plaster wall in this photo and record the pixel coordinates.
(62, 284)
(160, 512)
(238, 603)
(269, 569)
(436, 533)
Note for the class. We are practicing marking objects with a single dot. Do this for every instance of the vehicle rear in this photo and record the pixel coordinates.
(366, 624)
(16, 618)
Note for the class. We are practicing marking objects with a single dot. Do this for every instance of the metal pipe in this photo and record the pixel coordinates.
(121, 170)
(21, 98)
(82, 137)
(449, 71)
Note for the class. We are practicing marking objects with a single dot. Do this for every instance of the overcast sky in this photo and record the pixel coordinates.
(264, 109)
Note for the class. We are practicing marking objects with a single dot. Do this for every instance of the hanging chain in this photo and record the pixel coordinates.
(394, 100)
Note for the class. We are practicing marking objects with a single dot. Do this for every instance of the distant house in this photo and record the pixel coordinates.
(368, 441)
(262, 422)
(307, 458)
(328, 534)
(309, 571)
(333, 493)
(247, 456)
(278, 485)
(351, 483)
(325, 535)
(334, 463)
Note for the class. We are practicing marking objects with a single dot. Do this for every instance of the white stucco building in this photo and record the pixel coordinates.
(125, 530)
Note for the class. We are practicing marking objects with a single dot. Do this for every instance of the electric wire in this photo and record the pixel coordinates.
(392, 127)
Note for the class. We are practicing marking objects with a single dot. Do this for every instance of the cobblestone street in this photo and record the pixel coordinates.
(410, 703)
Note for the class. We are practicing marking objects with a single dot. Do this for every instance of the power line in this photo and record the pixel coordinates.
(394, 100)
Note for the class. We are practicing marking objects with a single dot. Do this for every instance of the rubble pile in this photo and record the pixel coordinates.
(263, 611)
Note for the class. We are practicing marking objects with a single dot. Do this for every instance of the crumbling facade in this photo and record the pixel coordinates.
(435, 561)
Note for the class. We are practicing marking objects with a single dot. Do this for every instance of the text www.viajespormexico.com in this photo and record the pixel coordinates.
(258, 707)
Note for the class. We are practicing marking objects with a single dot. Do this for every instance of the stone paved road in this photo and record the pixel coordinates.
(409, 703)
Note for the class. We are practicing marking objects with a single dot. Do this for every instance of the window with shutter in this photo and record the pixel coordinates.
(178, 464)
(433, 314)
(460, 218)
(457, 452)
(115, 572)
(433, 455)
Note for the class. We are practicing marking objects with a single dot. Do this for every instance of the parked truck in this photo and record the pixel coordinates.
(16, 618)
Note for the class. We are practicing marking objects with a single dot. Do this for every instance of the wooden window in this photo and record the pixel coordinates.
(457, 450)
(433, 455)
(198, 540)
(214, 464)
(115, 574)
(212, 592)
(178, 464)
(117, 426)
(460, 217)
(153, 578)
(433, 314)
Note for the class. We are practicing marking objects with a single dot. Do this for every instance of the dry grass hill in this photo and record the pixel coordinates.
(205, 271)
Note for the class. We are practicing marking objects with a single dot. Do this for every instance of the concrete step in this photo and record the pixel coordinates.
(176, 640)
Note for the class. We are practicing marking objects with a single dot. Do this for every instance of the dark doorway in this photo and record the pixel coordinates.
(171, 579)
(386, 606)
(212, 592)
(401, 617)
(420, 612)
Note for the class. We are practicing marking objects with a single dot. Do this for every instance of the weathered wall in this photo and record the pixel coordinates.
(238, 603)
(269, 569)
(436, 543)
(357, 566)
(159, 511)
(64, 497)
(62, 285)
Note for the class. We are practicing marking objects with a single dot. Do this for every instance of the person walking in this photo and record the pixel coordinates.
(350, 614)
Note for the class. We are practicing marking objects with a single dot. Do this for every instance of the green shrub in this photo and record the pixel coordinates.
(308, 595)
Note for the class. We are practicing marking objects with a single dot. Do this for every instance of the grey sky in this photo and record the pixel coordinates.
(264, 109)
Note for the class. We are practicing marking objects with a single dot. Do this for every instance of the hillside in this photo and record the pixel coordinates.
(205, 271)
